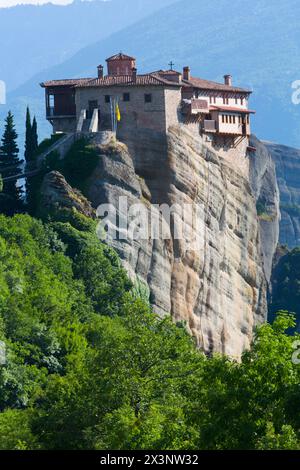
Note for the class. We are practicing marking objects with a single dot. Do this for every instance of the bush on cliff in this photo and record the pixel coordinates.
(77, 165)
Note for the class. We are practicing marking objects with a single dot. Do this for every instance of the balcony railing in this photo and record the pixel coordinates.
(52, 112)
(210, 126)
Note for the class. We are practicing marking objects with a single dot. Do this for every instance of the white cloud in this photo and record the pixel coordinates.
(11, 3)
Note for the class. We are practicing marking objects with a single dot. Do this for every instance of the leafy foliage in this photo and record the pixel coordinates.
(78, 164)
(89, 366)
(48, 142)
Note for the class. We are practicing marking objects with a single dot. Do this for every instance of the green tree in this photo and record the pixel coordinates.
(31, 138)
(126, 394)
(28, 137)
(10, 165)
(35, 140)
(250, 405)
(90, 366)
(31, 151)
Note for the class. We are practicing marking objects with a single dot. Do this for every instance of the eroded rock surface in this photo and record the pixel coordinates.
(215, 277)
(218, 287)
(56, 193)
(266, 192)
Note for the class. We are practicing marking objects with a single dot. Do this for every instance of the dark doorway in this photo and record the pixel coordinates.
(92, 105)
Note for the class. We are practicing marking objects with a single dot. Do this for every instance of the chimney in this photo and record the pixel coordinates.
(134, 74)
(100, 71)
(186, 73)
(228, 80)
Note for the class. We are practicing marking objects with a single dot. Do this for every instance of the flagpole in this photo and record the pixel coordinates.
(111, 114)
(117, 107)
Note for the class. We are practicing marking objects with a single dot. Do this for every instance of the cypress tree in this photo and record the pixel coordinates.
(31, 147)
(31, 138)
(10, 165)
(28, 137)
(35, 140)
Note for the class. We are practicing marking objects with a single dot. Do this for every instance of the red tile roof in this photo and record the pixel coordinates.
(167, 72)
(66, 82)
(157, 78)
(120, 56)
(209, 85)
(127, 80)
(232, 109)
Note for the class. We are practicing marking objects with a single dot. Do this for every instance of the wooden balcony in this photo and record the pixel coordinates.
(53, 112)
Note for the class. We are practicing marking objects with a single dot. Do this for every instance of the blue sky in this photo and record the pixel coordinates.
(11, 3)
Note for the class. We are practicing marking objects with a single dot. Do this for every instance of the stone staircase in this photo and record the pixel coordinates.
(86, 126)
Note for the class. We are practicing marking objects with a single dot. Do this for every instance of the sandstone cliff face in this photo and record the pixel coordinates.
(219, 288)
(287, 162)
(266, 192)
(215, 277)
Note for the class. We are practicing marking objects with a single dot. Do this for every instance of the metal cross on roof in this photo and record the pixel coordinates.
(171, 64)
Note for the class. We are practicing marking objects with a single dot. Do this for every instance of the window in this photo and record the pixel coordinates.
(242, 101)
(126, 96)
(223, 118)
(107, 99)
(51, 101)
(236, 101)
(212, 100)
(225, 100)
(233, 119)
(148, 98)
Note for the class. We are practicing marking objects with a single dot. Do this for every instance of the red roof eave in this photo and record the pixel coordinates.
(232, 109)
(65, 82)
(203, 84)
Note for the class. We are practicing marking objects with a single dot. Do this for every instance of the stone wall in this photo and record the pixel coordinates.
(173, 100)
(66, 125)
(135, 114)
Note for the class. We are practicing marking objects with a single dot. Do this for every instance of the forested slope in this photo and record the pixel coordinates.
(88, 366)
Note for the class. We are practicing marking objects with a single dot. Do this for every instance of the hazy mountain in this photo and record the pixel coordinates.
(36, 37)
(287, 162)
(258, 42)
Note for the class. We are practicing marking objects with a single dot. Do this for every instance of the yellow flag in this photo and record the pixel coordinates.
(118, 114)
